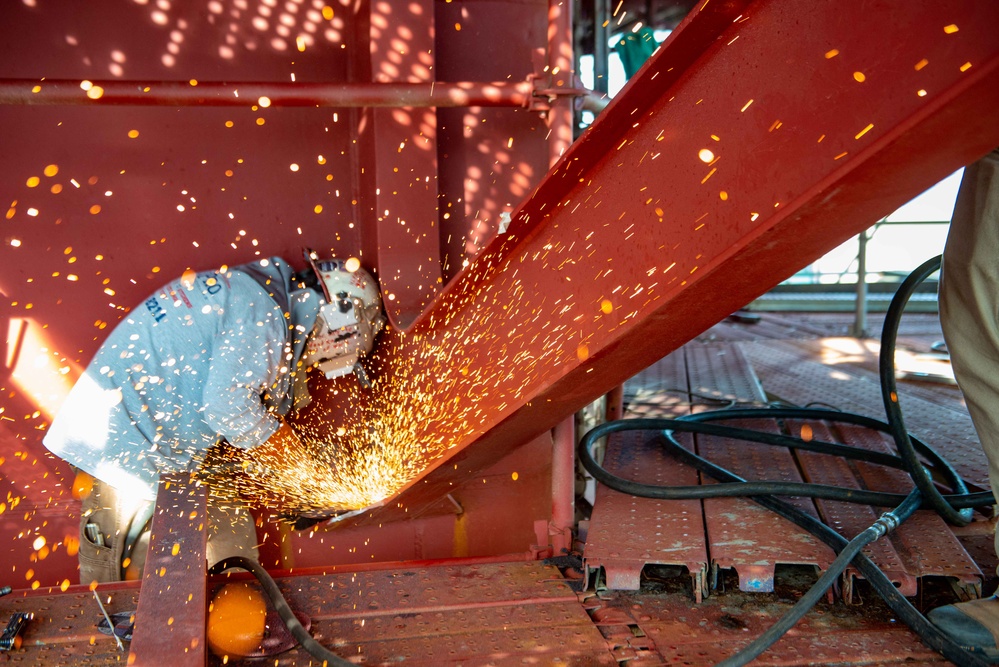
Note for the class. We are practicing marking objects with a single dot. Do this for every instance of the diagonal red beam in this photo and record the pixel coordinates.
(820, 118)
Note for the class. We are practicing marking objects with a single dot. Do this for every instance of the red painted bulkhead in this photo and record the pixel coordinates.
(105, 202)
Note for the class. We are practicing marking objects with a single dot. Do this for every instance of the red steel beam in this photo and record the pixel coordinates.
(820, 118)
(171, 615)
(246, 93)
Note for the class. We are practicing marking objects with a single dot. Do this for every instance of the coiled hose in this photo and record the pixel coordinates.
(955, 507)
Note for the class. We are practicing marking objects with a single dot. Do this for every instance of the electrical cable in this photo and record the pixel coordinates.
(955, 508)
(297, 630)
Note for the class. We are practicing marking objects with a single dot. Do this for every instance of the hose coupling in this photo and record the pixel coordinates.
(885, 524)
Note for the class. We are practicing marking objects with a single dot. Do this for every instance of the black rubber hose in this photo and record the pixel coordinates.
(882, 585)
(916, 446)
(884, 525)
(889, 394)
(297, 630)
(747, 488)
(925, 491)
(902, 608)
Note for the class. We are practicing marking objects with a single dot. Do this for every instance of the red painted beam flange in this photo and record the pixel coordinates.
(171, 615)
(760, 136)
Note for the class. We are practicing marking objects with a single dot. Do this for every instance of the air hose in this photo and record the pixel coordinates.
(297, 630)
(955, 507)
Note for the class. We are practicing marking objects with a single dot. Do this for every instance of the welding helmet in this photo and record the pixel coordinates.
(348, 320)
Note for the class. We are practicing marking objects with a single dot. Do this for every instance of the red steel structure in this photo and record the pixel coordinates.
(759, 136)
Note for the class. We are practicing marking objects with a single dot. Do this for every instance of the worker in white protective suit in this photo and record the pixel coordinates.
(969, 313)
(212, 356)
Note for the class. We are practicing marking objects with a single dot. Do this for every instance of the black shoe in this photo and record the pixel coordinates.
(970, 633)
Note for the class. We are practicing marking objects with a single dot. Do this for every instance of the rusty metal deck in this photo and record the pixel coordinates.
(64, 630)
(626, 533)
(785, 361)
(419, 614)
(474, 612)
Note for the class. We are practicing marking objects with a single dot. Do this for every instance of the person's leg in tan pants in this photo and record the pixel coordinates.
(969, 314)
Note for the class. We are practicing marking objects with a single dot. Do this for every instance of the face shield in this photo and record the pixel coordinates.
(349, 320)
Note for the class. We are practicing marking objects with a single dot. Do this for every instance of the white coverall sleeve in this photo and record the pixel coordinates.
(248, 359)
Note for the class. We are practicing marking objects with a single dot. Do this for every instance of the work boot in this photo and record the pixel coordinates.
(973, 625)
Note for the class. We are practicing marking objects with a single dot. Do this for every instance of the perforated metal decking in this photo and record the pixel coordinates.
(459, 613)
(628, 533)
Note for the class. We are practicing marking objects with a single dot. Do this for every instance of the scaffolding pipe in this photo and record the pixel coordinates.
(601, 49)
(264, 94)
(860, 320)
(560, 70)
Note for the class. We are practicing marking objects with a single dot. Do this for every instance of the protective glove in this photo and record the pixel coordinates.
(284, 472)
(268, 455)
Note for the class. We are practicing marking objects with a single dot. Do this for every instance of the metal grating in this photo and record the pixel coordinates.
(792, 373)
(470, 614)
(64, 630)
(925, 542)
(849, 519)
(626, 533)
(741, 534)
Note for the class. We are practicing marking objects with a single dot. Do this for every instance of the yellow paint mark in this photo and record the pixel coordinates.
(859, 77)
(950, 29)
(864, 131)
(459, 544)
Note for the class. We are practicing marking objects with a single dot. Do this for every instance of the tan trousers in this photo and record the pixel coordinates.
(231, 532)
(969, 302)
